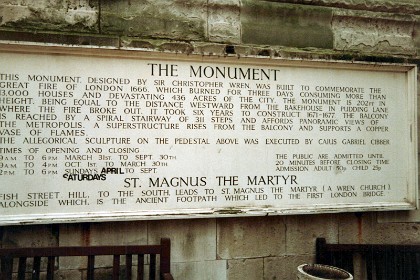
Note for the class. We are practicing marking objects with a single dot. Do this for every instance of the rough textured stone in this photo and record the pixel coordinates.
(50, 15)
(191, 240)
(224, 23)
(373, 35)
(186, 20)
(302, 232)
(286, 25)
(245, 269)
(206, 270)
(250, 237)
(284, 267)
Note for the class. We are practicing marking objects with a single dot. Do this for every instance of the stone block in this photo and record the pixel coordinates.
(370, 33)
(186, 20)
(119, 233)
(245, 269)
(286, 24)
(224, 24)
(250, 237)
(205, 270)
(62, 15)
(285, 267)
(365, 229)
(191, 240)
(303, 230)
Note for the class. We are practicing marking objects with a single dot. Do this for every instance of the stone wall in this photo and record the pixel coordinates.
(362, 27)
(230, 248)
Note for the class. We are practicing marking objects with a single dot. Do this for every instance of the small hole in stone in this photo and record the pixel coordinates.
(230, 49)
(264, 53)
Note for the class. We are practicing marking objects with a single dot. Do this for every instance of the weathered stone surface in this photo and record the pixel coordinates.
(60, 38)
(74, 235)
(369, 34)
(68, 274)
(186, 20)
(209, 48)
(391, 6)
(121, 233)
(28, 236)
(224, 24)
(250, 237)
(205, 270)
(302, 232)
(106, 273)
(245, 269)
(416, 35)
(284, 267)
(13, 13)
(138, 43)
(366, 229)
(191, 240)
(286, 25)
(62, 15)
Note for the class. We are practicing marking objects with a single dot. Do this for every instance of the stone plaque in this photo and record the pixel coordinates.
(91, 135)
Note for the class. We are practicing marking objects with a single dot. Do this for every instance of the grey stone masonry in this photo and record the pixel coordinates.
(60, 15)
(374, 27)
(268, 23)
(179, 19)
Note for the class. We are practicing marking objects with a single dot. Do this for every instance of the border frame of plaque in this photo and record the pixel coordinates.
(411, 189)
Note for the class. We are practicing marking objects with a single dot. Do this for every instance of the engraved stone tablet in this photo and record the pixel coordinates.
(126, 135)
